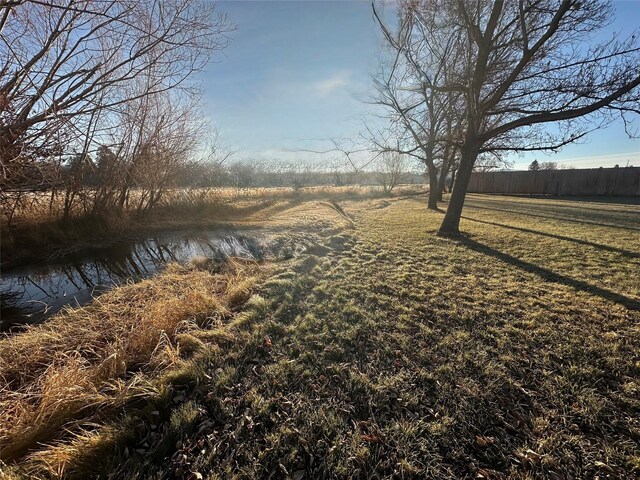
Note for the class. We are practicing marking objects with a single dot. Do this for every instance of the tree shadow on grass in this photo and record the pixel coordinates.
(561, 198)
(550, 276)
(564, 219)
(621, 251)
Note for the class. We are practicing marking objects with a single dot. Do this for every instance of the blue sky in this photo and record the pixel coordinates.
(297, 74)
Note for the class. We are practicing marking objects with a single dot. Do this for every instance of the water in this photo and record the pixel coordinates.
(32, 293)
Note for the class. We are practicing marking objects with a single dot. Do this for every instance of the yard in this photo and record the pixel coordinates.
(389, 352)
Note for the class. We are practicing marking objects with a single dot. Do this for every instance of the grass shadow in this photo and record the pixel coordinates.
(620, 251)
(549, 275)
(565, 219)
(560, 203)
(603, 199)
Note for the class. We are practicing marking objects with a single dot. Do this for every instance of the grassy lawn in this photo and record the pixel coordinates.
(393, 353)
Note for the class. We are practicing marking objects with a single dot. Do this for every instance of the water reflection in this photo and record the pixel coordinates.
(31, 294)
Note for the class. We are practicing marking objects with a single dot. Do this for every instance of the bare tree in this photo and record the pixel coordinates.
(535, 166)
(350, 161)
(68, 64)
(423, 122)
(391, 169)
(530, 75)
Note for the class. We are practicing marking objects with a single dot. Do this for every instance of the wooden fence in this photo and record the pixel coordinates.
(618, 181)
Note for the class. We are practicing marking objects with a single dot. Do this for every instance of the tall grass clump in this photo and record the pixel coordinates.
(89, 361)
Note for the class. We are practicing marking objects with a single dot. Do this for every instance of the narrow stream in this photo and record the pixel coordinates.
(32, 293)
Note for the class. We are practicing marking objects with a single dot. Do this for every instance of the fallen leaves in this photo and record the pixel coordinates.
(485, 441)
(529, 458)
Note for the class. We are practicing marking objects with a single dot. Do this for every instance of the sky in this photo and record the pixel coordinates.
(298, 74)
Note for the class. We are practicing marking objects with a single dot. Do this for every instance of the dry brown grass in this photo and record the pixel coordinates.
(87, 362)
(511, 353)
(42, 208)
(78, 383)
(38, 231)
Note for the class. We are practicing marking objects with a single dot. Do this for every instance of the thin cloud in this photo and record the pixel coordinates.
(332, 84)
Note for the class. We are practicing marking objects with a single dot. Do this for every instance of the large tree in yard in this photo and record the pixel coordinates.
(535, 79)
(422, 122)
(531, 74)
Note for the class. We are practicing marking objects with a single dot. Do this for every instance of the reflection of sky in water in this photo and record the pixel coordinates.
(32, 293)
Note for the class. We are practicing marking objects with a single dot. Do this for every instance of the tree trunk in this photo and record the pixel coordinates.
(442, 181)
(123, 197)
(453, 179)
(451, 223)
(433, 188)
(69, 196)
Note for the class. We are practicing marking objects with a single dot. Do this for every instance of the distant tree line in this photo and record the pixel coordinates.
(535, 166)
(213, 173)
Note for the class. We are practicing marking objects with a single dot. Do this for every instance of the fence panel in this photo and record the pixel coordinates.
(617, 182)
